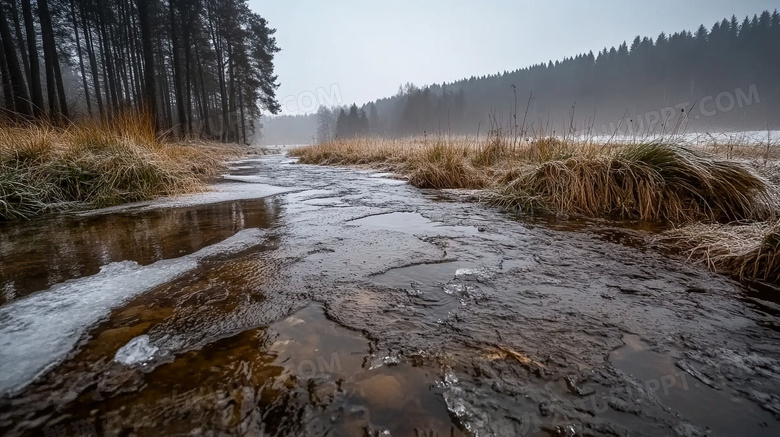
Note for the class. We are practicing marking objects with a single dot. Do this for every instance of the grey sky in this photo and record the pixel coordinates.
(368, 48)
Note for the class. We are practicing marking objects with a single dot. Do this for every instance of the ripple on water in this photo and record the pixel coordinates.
(678, 385)
(264, 379)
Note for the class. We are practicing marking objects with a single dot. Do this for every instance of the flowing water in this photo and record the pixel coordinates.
(301, 300)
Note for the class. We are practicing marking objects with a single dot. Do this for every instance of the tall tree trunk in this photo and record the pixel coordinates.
(203, 95)
(150, 93)
(108, 62)
(222, 93)
(49, 32)
(20, 40)
(92, 60)
(50, 62)
(198, 102)
(81, 58)
(8, 96)
(21, 101)
(188, 76)
(188, 70)
(164, 94)
(122, 81)
(233, 133)
(36, 92)
(177, 80)
(60, 86)
(217, 44)
(119, 33)
(107, 90)
(243, 117)
(137, 60)
(127, 53)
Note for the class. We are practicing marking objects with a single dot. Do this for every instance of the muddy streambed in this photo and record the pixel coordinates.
(301, 300)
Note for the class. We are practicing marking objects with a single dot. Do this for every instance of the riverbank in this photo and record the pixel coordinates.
(350, 299)
(689, 191)
(45, 168)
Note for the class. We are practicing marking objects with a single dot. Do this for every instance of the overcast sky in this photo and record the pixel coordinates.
(358, 50)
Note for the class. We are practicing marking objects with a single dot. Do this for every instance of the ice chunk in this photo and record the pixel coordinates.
(248, 179)
(38, 331)
(136, 351)
(455, 398)
(391, 360)
(224, 192)
(478, 274)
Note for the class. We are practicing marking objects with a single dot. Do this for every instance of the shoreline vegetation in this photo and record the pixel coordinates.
(45, 168)
(716, 204)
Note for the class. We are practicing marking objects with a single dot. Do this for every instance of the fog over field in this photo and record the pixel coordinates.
(601, 68)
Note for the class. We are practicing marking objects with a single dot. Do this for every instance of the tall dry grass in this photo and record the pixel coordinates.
(648, 181)
(44, 168)
(745, 250)
(653, 181)
(427, 164)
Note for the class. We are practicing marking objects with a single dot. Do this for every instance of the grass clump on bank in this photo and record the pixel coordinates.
(427, 164)
(45, 168)
(651, 181)
(664, 183)
(746, 251)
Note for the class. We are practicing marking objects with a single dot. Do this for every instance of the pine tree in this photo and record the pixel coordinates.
(195, 65)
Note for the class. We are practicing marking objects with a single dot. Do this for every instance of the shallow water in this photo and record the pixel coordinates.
(38, 254)
(324, 301)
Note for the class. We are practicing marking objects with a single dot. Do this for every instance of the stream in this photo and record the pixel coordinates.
(302, 300)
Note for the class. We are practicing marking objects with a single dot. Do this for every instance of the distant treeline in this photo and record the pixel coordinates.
(327, 124)
(725, 77)
(201, 67)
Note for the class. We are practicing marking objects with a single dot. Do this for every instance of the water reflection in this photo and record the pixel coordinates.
(303, 375)
(671, 384)
(37, 254)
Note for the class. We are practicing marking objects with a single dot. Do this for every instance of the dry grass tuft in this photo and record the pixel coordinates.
(653, 181)
(427, 163)
(356, 151)
(44, 168)
(747, 251)
(443, 165)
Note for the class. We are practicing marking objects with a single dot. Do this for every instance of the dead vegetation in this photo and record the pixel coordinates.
(45, 168)
(650, 181)
(746, 251)
(682, 186)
